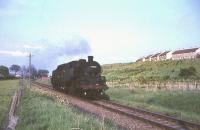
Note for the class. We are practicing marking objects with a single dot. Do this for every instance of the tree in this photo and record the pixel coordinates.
(33, 71)
(4, 71)
(24, 71)
(15, 68)
(43, 72)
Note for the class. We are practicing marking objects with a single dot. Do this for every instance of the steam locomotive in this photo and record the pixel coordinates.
(81, 78)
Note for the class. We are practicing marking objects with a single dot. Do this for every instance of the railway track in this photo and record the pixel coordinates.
(156, 119)
(160, 120)
(42, 85)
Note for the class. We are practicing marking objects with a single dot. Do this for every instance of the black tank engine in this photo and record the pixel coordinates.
(81, 78)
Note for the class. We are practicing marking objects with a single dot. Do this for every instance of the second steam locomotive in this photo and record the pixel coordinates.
(80, 78)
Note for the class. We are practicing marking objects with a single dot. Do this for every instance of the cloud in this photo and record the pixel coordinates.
(9, 12)
(13, 7)
(14, 53)
(32, 47)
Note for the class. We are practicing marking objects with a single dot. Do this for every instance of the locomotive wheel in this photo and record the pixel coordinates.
(95, 95)
(105, 97)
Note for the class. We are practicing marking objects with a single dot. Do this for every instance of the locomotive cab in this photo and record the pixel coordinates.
(92, 83)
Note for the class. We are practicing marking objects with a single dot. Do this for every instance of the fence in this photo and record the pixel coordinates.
(12, 117)
(170, 85)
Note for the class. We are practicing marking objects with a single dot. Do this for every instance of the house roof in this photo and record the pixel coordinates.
(148, 56)
(155, 55)
(139, 59)
(185, 51)
(164, 53)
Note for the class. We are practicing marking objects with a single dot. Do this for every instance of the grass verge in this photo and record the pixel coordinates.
(183, 104)
(7, 88)
(41, 112)
(153, 71)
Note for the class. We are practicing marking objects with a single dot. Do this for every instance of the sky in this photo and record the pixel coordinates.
(113, 31)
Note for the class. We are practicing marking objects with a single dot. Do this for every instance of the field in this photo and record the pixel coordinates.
(182, 104)
(41, 112)
(7, 88)
(183, 70)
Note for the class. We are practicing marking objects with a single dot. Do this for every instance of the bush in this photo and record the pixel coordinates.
(141, 79)
(187, 72)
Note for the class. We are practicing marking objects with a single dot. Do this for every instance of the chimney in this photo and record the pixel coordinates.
(90, 58)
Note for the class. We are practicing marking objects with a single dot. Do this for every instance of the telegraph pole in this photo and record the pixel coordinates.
(30, 70)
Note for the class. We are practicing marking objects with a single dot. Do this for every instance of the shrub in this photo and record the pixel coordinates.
(187, 72)
(141, 79)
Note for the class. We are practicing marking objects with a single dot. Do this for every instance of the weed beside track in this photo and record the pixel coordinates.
(40, 112)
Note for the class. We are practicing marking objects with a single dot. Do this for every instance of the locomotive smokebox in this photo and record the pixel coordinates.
(90, 58)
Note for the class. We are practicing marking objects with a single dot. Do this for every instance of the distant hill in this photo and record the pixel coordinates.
(180, 70)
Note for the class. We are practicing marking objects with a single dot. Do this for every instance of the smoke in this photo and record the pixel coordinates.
(61, 51)
(14, 53)
(69, 47)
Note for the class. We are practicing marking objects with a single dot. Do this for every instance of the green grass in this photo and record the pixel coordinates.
(183, 104)
(124, 76)
(40, 112)
(7, 88)
(151, 71)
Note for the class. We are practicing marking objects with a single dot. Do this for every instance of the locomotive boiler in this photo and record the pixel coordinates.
(80, 78)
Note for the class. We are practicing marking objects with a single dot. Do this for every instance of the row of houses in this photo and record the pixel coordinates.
(191, 53)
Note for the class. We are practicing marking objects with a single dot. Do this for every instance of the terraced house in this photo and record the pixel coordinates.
(173, 55)
(155, 57)
(148, 58)
(186, 54)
